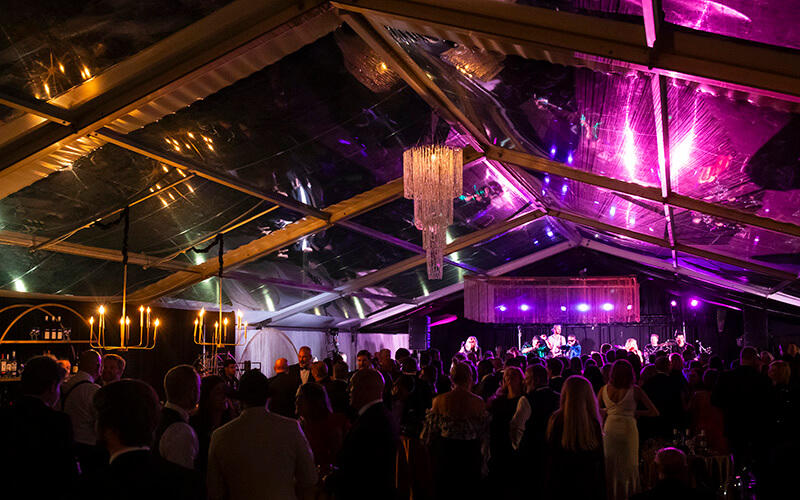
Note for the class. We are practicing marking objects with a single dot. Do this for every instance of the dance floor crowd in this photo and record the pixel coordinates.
(496, 424)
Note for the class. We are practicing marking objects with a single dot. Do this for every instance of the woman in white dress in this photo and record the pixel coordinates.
(618, 402)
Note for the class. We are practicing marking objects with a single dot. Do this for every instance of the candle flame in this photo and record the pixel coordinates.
(91, 320)
(102, 310)
(156, 322)
(225, 322)
(202, 312)
(141, 308)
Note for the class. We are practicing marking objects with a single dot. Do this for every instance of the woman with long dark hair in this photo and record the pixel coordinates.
(619, 400)
(575, 444)
(324, 429)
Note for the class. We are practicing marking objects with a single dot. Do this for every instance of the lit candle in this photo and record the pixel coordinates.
(202, 312)
(141, 321)
(155, 331)
(196, 323)
(225, 328)
(148, 321)
(91, 327)
(127, 327)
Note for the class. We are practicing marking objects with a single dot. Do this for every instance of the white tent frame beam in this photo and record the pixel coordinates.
(378, 276)
(457, 287)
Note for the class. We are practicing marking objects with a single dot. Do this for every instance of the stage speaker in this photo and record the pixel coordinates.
(755, 327)
(419, 333)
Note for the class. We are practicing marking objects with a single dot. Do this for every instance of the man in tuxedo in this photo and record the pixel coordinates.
(337, 389)
(127, 415)
(37, 441)
(259, 454)
(301, 371)
(367, 462)
(319, 371)
(282, 390)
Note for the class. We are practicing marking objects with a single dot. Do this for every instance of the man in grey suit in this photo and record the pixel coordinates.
(260, 452)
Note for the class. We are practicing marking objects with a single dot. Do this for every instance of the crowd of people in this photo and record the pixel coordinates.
(497, 423)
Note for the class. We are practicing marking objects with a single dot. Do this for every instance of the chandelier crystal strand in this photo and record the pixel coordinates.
(433, 176)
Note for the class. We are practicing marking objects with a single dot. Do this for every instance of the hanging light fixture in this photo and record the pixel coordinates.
(364, 63)
(432, 177)
(474, 62)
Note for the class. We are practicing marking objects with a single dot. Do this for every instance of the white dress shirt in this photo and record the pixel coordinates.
(519, 420)
(304, 375)
(179, 442)
(368, 406)
(78, 406)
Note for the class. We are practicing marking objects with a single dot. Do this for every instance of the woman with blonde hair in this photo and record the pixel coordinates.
(619, 400)
(632, 346)
(575, 443)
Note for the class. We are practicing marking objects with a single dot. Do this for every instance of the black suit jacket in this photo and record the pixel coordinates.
(294, 373)
(367, 462)
(37, 444)
(543, 402)
(283, 392)
(337, 394)
(140, 474)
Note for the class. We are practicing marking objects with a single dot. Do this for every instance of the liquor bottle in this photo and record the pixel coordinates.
(47, 333)
(12, 365)
(3, 365)
(60, 333)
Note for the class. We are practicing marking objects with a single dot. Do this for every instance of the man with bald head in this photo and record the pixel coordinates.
(76, 401)
(301, 372)
(368, 456)
(283, 389)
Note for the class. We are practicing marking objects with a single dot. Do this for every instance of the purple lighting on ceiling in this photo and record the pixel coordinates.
(342, 141)
(583, 307)
(502, 308)
(673, 303)
(563, 308)
(694, 303)
(553, 151)
(630, 306)
(524, 307)
(612, 211)
(564, 189)
(547, 179)
(549, 233)
(569, 159)
(608, 306)
(449, 318)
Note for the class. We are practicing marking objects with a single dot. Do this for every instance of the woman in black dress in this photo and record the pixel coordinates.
(575, 461)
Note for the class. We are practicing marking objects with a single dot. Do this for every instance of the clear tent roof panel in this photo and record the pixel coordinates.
(49, 47)
(733, 239)
(728, 272)
(512, 245)
(304, 126)
(56, 273)
(625, 243)
(102, 180)
(330, 258)
(767, 21)
(8, 114)
(734, 149)
(597, 122)
(178, 217)
(415, 283)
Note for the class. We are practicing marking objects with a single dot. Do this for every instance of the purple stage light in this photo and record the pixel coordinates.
(608, 306)
(524, 307)
(569, 159)
(549, 233)
(612, 211)
(583, 307)
(694, 303)
(547, 179)
(502, 308)
(564, 189)
(630, 306)
(673, 303)
(553, 151)
(563, 308)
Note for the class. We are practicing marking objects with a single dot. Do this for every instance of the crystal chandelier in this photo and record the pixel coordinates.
(432, 177)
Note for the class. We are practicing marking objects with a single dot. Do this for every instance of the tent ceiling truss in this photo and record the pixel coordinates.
(506, 28)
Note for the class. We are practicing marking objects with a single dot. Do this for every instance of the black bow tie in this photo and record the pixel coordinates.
(306, 368)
